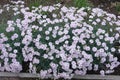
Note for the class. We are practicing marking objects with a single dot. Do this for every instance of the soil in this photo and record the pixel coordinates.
(107, 5)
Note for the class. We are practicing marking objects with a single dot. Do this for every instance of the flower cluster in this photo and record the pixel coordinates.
(59, 41)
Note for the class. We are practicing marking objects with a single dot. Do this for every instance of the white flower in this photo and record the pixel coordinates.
(111, 23)
(15, 8)
(23, 10)
(94, 49)
(54, 15)
(51, 8)
(101, 50)
(22, 33)
(15, 67)
(14, 36)
(87, 48)
(30, 56)
(90, 16)
(80, 63)
(104, 45)
(45, 8)
(11, 55)
(95, 67)
(30, 66)
(94, 23)
(90, 67)
(102, 72)
(106, 48)
(10, 29)
(1, 10)
(103, 60)
(47, 32)
(115, 59)
(93, 35)
(64, 9)
(15, 51)
(117, 35)
(103, 23)
(50, 29)
(47, 38)
(14, 60)
(57, 42)
(98, 20)
(65, 65)
(53, 65)
(49, 70)
(9, 48)
(99, 14)
(98, 43)
(70, 58)
(108, 19)
(45, 56)
(65, 75)
(2, 68)
(74, 65)
(113, 49)
(91, 41)
(36, 61)
(44, 16)
(7, 8)
(40, 28)
(111, 57)
(107, 65)
(101, 36)
(66, 31)
(16, 44)
(51, 58)
(119, 50)
(43, 73)
(7, 67)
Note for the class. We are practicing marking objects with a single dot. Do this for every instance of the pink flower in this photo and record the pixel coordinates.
(36, 61)
(102, 72)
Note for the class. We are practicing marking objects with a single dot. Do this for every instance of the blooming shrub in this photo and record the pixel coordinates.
(59, 41)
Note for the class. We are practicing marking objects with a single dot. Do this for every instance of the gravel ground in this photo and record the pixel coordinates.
(18, 79)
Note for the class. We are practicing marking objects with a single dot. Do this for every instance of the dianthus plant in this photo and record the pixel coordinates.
(59, 41)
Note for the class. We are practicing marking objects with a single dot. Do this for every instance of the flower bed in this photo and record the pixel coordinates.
(58, 41)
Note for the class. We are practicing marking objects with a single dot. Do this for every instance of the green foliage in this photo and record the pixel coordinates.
(34, 3)
(117, 7)
(76, 3)
(81, 3)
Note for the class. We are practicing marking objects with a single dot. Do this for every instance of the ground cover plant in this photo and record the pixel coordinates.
(58, 41)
